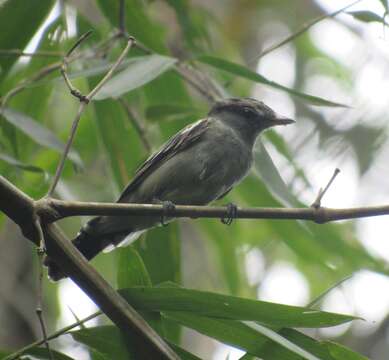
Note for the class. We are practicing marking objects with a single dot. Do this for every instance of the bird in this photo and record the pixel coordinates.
(198, 165)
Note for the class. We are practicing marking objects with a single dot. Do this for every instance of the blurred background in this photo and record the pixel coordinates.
(342, 58)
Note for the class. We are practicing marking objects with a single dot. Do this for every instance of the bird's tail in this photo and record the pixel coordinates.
(90, 241)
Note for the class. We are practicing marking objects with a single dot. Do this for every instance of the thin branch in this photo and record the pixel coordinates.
(302, 30)
(316, 301)
(56, 334)
(182, 70)
(68, 145)
(84, 102)
(98, 50)
(18, 52)
(75, 92)
(130, 42)
(137, 123)
(39, 75)
(52, 210)
(198, 87)
(39, 307)
(317, 203)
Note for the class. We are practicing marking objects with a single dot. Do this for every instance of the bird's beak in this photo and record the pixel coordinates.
(282, 120)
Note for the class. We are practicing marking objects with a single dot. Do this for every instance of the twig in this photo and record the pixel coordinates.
(68, 145)
(209, 96)
(326, 292)
(52, 210)
(39, 311)
(303, 29)
(18, 52)
(317, 203)
(137, 123)
(39, 75)
(56, 334)
(75, 92)
(99, 50)
(182, 70)
(85, 99)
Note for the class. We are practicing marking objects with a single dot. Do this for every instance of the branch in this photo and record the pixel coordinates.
(20, 352)
(302, 30)
(18, 52)
(137, 123)
(52, 210)
(23, 210)
(84, 100)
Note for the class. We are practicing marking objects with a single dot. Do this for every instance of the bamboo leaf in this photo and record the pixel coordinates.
(38, 133)
(137, 74)
(229, 307)
(244, 72)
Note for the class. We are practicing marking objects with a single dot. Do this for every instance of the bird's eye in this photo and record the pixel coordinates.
(246, 110)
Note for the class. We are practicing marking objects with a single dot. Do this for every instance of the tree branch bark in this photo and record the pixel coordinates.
(52, 210)
(24, 211)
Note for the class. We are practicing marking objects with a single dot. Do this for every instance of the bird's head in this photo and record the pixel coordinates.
(248, 115)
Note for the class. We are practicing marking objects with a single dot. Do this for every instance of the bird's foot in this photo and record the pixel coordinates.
(168, 207)
(232, 211)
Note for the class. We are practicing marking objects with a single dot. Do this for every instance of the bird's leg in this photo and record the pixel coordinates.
(232, 211)
(168, 206)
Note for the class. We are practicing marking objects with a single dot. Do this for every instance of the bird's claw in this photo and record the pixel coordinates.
(168, 206)
(232, 211)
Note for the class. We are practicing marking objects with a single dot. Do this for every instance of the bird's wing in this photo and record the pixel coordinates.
(179, 142)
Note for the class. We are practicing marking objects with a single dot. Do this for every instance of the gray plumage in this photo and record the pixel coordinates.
(199, 164)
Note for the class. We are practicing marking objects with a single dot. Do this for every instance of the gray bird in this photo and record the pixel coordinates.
(201, 163)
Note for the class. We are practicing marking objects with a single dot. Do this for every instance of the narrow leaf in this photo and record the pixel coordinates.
(265, 169)
(229, 307)
(131, 270)
(367, 16)
(138, 73)
(107, 340)
(340, 352)
(14, 162)
(38, 133)
(236, 333)
(248, 74)
(278, 339)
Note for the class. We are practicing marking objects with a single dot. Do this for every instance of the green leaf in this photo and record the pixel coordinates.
(137, 74)
(340, 352)
(236, 333)
(38, 133)
(131, 269)
(265, 169)
(106, 340)
(161, 111)
(272, 350)
(280, 340)
(367, 16)
(160, 251)
(248, 74)
(229, 307)
(16, 36)
(14, 162)
(324, 350)
(132, 272)
(229, 332)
